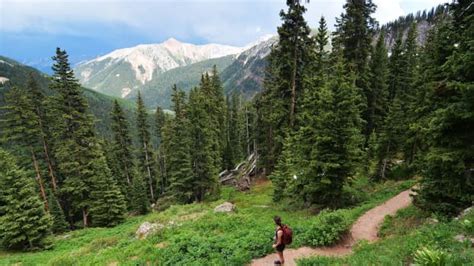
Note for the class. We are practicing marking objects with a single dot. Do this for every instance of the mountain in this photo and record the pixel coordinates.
(153, 69)
(158, 90)
(13, 73)
(245, 74)
(124, 71)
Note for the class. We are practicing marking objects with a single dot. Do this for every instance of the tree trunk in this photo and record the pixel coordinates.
(40, 181)
(150, 180)
(293, 82)
(85, 217)
(127, 175)
(248, 130)
(384, 164)
(48, 159)
(293, 91)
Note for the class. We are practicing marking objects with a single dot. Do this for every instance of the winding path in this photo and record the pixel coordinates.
(365, 228)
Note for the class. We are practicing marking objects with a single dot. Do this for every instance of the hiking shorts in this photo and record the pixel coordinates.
(280, 248)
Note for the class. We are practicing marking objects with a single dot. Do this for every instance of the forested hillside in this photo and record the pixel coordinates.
(18, 75)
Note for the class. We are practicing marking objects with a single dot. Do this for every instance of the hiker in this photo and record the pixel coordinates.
(283, 237)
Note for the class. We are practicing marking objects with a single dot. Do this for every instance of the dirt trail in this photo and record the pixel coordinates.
(365, 228)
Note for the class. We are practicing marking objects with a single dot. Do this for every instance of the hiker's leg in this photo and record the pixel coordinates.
(280, 256)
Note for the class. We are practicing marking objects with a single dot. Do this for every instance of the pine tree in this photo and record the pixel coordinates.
(179, 160)
(202, 140)
(121, 162)
(59, 220)
(235, 129)
(322, 40)
(38, 99)
(283, 83)
(377, 94)
(217, 110)
(395, 64)
(409, 93)
(446, 187)
(24, 223)
(228, 157)
(353, 37)
(22, 128)
(338, 141)
(322, 154)
(107, 206)
(79, 154)
(160, 118)
(146, 156)
(139, 202)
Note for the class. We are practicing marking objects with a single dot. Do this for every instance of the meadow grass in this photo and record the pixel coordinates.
(195, 235)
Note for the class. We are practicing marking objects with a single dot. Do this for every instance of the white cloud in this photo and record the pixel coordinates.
(226, 21)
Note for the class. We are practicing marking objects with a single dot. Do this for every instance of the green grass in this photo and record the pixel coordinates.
(195, 235)
(410, 232)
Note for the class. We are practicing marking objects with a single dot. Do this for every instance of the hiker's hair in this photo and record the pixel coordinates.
(277, 220)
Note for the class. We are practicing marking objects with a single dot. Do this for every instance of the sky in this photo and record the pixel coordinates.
(30, 30)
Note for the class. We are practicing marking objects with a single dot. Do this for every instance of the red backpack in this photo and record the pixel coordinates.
(287, 236)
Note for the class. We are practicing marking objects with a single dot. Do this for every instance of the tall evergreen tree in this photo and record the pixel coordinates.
(37, 99)
(179, 159)
(59, 220)
(395, 64)
(22, 128)
(122, 149)
(138, 200)
(202, 140)
(322, 40)
(146, 156)
(77, 149)
(160, 120)
(322, 154)
(447, 163)
(24, 223)
(354, 36)
(107, 206)
(283, 84)
(217, 110)
(377, 94)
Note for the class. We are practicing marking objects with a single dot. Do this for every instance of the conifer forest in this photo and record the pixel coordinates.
(323, 126)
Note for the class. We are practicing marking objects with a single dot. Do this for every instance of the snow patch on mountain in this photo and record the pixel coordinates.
(4, 79)
(146, 59)
(125, 92)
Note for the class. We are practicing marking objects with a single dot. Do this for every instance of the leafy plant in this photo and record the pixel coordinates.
(431, 257)
(327, 228)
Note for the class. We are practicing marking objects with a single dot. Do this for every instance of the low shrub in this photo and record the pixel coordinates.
(326, 228)
(431, 257)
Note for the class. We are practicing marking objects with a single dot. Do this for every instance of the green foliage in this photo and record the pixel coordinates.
(121, 151)
(430, 257)
(57, 214)
(108, 204)
(86, 184)
(326, 229)
(24, 224)
(194, 234)
(145, 159)
(178, 151)
(446, 162)
(288, 63)
(319, 158)
(408, 238)
(138, 201)
(377, 93)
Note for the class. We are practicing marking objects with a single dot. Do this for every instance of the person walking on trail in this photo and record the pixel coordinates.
(283, 237)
